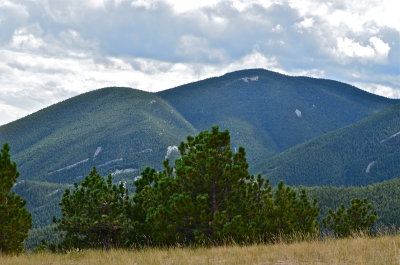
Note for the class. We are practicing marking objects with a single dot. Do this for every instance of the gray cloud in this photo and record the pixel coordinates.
(54, 49)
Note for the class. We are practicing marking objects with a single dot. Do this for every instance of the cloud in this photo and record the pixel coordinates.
(12, 16)
(306, 23)
(54, 49)
(376, 50)
(198, 49)
(379, 89)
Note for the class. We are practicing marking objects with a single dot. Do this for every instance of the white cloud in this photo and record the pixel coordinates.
(350, 48)
(378, 89)
(147, 4)
(15, 8)
(381, 48)
(242, 5)
(182, 6)
(306, 23)
(277, 28)
(316, 73)
(351, 13)
(23, 39)
(254, 60)
(376, 50)
(9, 113)
(198, 49)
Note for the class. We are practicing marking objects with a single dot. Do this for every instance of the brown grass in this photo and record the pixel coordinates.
(384, 250)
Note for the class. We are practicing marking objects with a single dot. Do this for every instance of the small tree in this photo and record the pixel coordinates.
(359, 217)
(94, 214)
(15, 220)
(293, 213)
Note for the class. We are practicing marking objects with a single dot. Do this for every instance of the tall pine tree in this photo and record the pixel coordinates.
(15, 220)
(209, 197)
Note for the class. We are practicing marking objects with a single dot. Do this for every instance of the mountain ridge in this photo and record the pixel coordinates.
(265, 99)
(266, 112)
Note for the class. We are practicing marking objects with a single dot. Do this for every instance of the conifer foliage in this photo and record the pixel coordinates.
(94, 214)
(208, 197)
(359, 217)
(15, 220)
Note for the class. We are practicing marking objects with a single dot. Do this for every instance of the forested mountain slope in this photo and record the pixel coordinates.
(42, 200)
(267, 112)
(385, 196)
(118, 130)
(122, 130)
(363, 153)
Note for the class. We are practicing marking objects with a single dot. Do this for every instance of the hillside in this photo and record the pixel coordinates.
(122, 130)
(42, 200)
(118, 130)
(363, 153)
(385, 196)
(267, 112)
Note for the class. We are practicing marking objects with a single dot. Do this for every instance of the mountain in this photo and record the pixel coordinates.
(362, 153)
(123, 130)
(118, 130)
(267, 112)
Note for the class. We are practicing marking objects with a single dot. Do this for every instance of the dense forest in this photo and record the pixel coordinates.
(360, 154)
(385, 197)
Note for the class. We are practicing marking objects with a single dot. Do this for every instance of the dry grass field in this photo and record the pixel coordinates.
(383, 250)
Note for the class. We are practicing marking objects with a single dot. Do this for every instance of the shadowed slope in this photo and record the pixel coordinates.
(363, 153)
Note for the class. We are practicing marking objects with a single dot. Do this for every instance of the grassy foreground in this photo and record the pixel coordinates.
(383, 250)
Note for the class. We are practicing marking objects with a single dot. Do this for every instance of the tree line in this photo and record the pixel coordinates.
(207, 198)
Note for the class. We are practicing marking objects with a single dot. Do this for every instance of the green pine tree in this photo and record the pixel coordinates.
(15, 220)
(293, 213)
(94, 214)
(359, 217)
(186, 204)
(208, 197)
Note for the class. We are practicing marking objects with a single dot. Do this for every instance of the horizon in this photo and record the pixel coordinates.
(187, 84)
(54, 50)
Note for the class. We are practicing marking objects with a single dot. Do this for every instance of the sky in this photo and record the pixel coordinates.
(51, 50)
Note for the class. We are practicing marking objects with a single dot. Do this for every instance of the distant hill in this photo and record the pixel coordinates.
(118, 130)
(123, 130)
(267, 112)
(362, 153)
